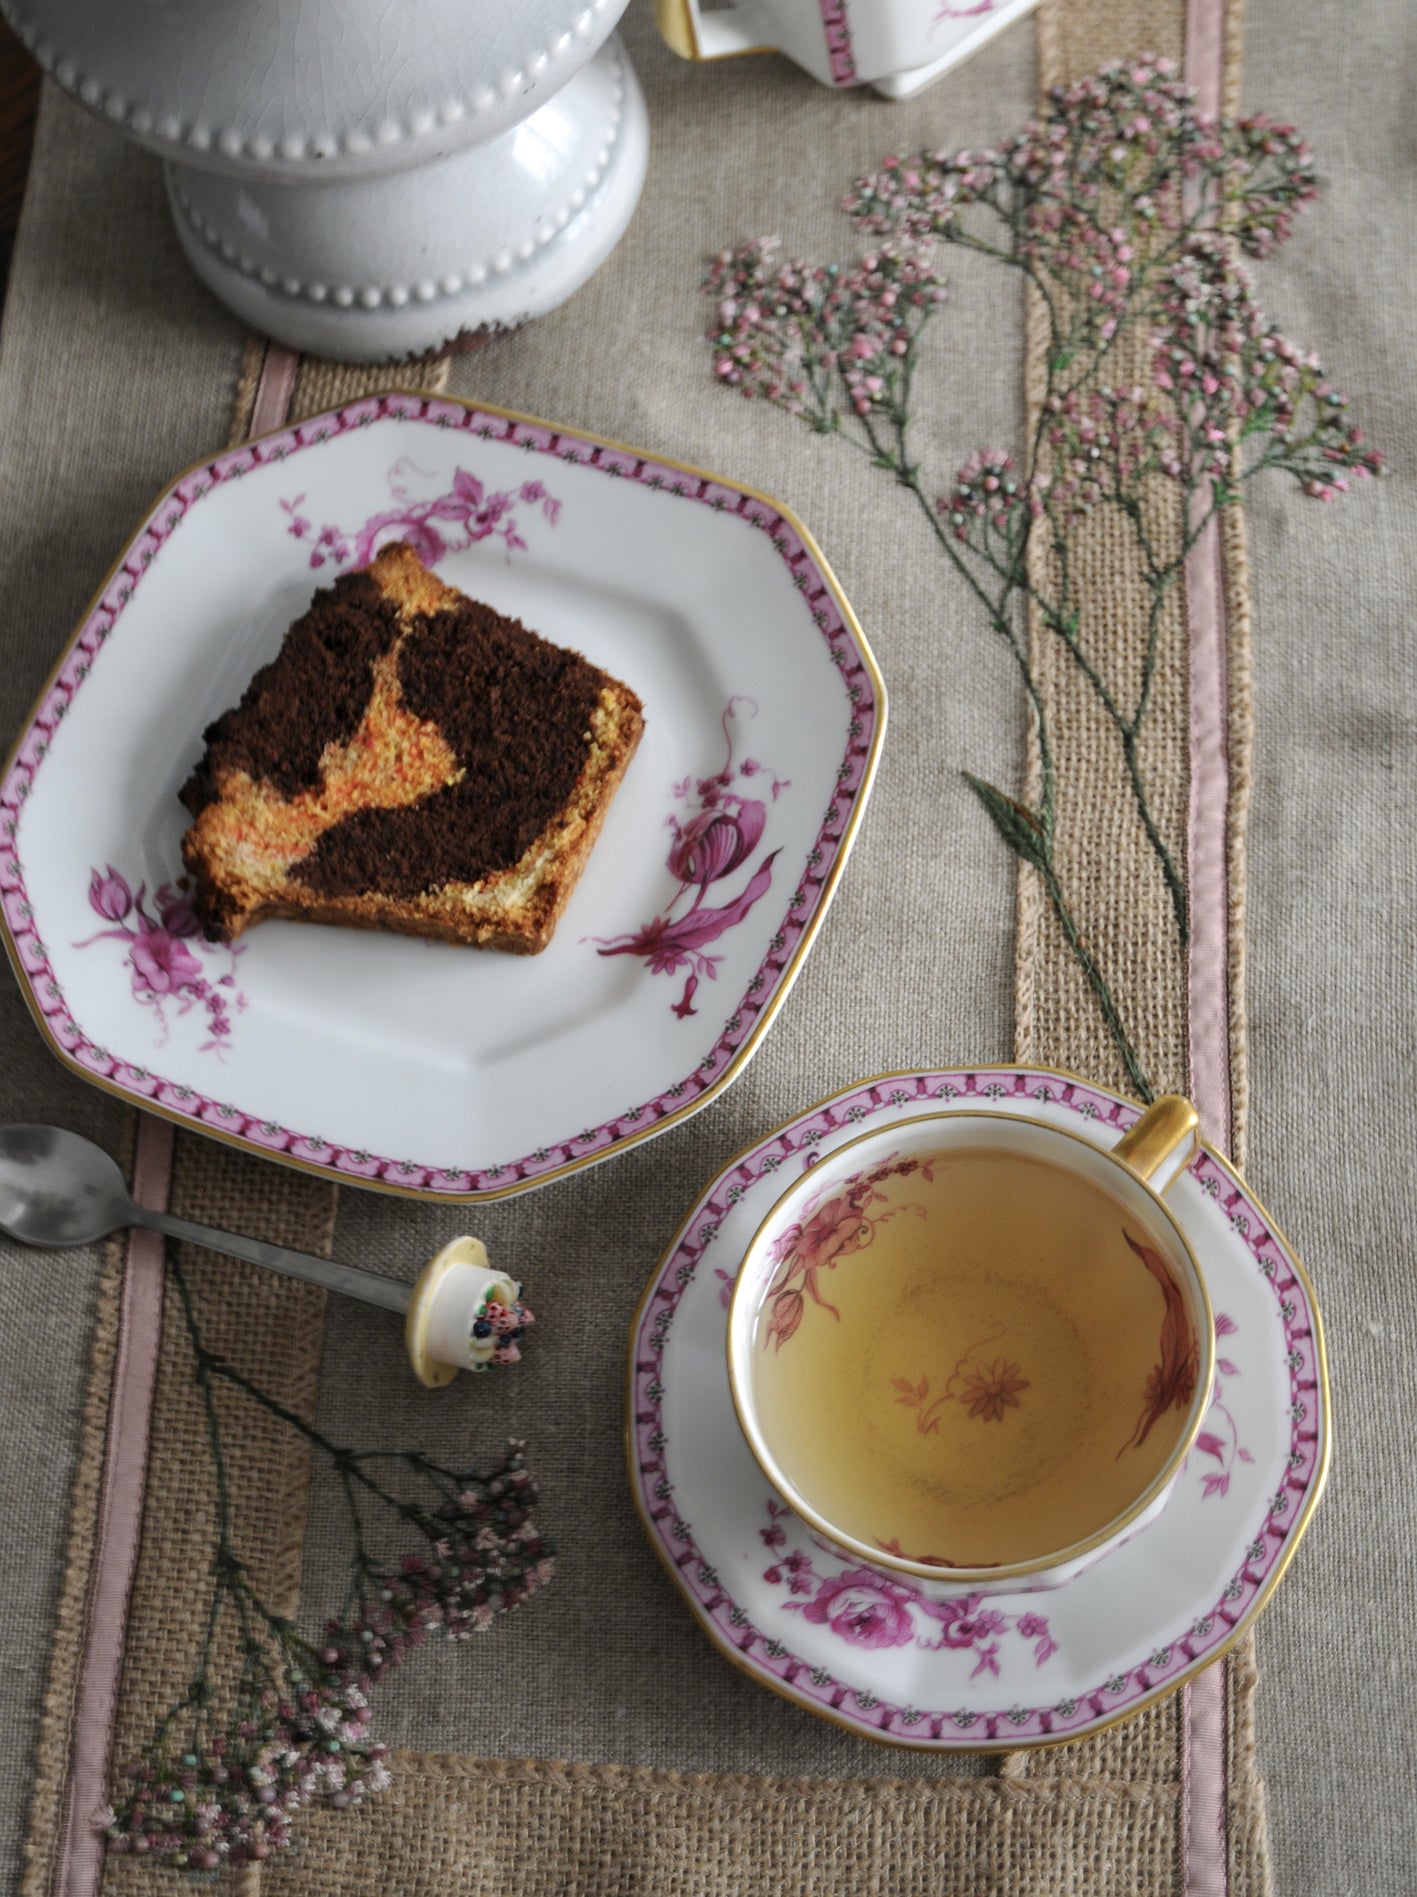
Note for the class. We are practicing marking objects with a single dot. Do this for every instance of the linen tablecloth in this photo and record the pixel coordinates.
(116, 369)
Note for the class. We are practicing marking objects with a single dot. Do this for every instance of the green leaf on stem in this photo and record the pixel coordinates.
(1016, 824)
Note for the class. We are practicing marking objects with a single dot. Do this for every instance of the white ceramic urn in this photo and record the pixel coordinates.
(364, 180)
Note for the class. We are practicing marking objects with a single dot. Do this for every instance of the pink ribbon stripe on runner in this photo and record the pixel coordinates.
(1204, 1791)
(274, 388)
(120, 1520)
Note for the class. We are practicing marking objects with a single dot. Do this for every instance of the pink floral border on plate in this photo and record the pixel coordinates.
(144, 1087)
(968, 1727)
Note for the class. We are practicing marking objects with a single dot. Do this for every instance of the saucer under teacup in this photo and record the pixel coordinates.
(955, 1670)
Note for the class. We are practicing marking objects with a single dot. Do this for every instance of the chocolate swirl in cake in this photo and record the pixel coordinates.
(312, 694)
(410, 760)
(515, 711)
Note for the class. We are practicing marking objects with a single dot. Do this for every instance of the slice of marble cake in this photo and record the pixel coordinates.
(409, 760)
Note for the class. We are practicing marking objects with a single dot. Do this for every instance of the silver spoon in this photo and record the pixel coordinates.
(59, 1190)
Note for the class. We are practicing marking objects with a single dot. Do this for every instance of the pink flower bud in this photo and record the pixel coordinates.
(109, 895)
(715, 842)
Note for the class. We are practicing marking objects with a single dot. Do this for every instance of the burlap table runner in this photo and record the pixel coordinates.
(806, 1808)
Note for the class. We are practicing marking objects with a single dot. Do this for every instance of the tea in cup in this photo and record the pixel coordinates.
(975, 1348)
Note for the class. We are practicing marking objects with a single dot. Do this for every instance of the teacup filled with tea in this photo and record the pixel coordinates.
(975, 1348)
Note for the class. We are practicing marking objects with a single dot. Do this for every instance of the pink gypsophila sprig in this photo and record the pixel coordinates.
(819, 339)
(1127, 135)
(1234, 379)
(233, 1764)
(1125, 208)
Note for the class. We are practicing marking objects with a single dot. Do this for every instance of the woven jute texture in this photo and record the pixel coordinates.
(544, 1830)
(1117, 888)
(320, 384)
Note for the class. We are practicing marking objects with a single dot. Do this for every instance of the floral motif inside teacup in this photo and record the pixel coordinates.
(976, 1347)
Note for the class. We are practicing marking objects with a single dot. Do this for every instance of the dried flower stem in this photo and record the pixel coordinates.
(1122, 208)
(230, 1764)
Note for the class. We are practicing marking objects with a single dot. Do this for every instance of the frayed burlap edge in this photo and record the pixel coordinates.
(71, 1618)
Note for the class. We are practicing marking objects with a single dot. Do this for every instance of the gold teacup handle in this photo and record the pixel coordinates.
(1159, 1147)
(722, 35)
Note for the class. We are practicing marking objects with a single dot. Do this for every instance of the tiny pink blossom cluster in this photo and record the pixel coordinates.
(1123, 204)
(508, 1323)
(489, 1557)
(784, 330)
(300, 1729)
(1121, 140)
(1265, 192)
(1095, 261)
(235, 1801)
(1130, 128)
(1231, 376)
(1105, 443)
(987, 490)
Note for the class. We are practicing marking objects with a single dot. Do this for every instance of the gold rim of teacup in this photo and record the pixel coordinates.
(1145, 1158)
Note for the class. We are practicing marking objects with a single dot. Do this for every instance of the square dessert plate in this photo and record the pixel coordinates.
(417, 1066)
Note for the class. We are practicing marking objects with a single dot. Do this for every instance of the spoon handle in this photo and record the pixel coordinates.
(368, 1286)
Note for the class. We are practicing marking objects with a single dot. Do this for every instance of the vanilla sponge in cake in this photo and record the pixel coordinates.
(413, 760)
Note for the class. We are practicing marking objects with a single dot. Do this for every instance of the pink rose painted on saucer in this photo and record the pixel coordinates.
(863, 1608)
(867, 1609)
